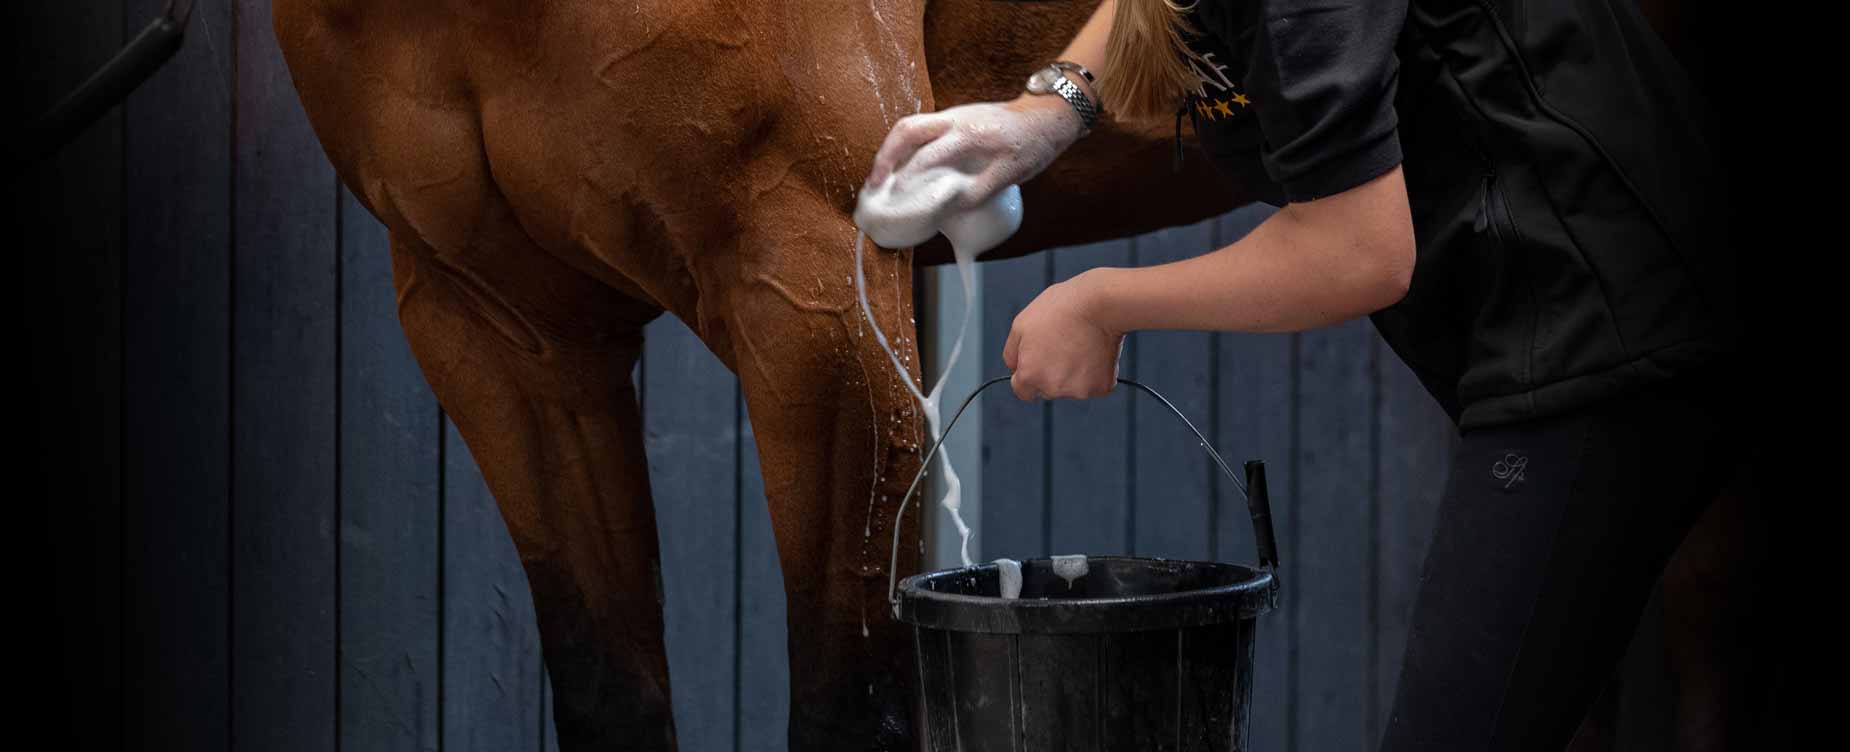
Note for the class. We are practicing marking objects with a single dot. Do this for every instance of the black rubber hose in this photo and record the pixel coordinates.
(105, 89)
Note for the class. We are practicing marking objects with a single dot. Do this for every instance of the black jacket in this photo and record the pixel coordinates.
(1563, 175)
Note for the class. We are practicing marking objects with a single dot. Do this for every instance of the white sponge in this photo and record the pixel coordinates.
(976, 231)
(908, 209)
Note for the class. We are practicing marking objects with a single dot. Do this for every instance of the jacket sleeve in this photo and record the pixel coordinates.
(1321, 75)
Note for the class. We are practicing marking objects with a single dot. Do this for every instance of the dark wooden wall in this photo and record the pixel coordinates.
(261, 533)
(274, 540)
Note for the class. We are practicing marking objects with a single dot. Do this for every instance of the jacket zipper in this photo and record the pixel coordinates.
(1493, 214)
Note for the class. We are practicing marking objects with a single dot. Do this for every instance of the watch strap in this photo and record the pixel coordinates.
(1069, 91)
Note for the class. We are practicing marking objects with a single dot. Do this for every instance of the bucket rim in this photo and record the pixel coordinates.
(1252, 594)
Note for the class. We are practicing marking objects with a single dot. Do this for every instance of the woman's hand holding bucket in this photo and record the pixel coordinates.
(1058, 348)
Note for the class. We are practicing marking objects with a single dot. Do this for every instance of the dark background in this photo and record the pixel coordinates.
(246, 525)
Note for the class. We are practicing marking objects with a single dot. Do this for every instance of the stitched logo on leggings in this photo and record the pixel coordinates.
(1510, 469)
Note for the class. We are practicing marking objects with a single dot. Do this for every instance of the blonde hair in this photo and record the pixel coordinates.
(1146, 60)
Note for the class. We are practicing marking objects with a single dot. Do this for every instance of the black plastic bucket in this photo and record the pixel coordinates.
(1135, 654)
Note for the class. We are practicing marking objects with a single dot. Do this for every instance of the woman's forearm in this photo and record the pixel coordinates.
(1307, 266)
(1088, 46)
(1087, 49)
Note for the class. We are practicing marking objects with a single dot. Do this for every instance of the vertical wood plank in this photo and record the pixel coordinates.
(549, 738)
(1173, 513)
(764, 654)
(490, 644)
(1014, 438)
(1090, 486)
(389, 517)
(176, 402)
(284, 556)
(690, 430)
(1334, 538)
(1254, 391)
(1416, 440)
(64, 221)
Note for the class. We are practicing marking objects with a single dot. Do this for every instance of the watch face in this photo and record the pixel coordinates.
(1042, 81)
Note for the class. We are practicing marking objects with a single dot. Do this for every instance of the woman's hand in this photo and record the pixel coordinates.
(948, 162)
(1057, 347)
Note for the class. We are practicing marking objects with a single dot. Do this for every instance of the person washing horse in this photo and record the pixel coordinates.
(1525, 198)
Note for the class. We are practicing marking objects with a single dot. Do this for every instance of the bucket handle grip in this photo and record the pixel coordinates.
(1258, 502)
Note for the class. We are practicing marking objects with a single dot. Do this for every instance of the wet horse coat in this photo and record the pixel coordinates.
(554, 175)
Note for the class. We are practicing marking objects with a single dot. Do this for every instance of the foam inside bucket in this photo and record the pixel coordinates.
(1117, 593)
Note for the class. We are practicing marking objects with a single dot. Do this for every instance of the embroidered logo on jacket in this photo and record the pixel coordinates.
(1224, 101)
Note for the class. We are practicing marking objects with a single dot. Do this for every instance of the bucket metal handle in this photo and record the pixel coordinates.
(1258, 503)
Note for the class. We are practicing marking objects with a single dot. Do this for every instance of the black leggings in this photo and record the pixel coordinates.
(1549, 540)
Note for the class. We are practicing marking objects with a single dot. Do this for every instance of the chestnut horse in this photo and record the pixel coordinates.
(554, 175)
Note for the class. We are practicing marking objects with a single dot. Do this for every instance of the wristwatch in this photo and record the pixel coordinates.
(1052, 80)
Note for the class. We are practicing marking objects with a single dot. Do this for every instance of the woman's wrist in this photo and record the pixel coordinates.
(1085, 87)
(1052, 107)
(1100, 291)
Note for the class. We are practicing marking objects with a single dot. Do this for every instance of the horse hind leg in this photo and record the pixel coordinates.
(532, 361)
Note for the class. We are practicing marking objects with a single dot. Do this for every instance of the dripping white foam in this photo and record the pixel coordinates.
(1070, 568)
(896, 217)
